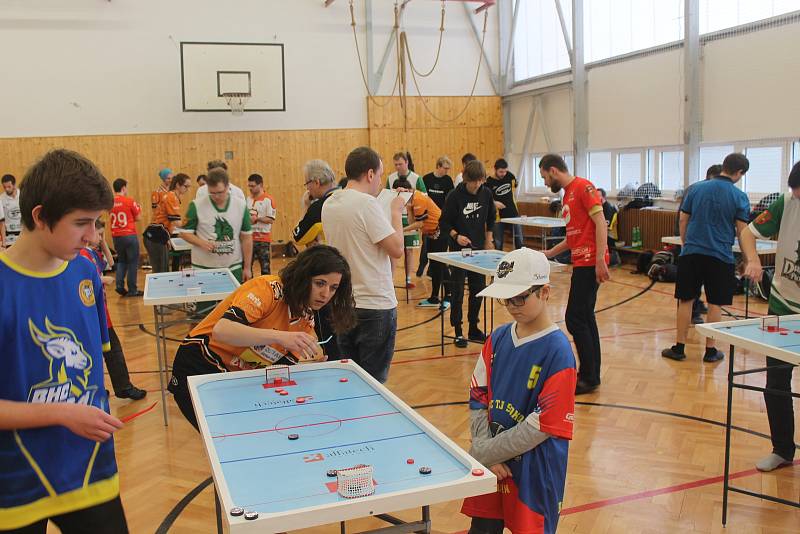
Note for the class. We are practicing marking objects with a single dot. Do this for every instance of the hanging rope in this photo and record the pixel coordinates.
(404, 45)
(438, 49)
(361, 64)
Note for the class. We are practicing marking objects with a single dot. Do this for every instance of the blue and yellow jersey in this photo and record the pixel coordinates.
(53, 331)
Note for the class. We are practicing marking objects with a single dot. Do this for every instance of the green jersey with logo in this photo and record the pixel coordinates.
(222, 226)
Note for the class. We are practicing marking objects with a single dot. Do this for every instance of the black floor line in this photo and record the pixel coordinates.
(426, 321)
(420, 347)
(173, 514)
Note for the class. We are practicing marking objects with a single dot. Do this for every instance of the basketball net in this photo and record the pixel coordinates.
(236, 101)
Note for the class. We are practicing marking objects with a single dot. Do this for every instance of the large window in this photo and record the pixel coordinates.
(539, 46)
(629, 169)
(616, 27)
(710, 155)
(795, 153)
(765, 174)
(671, 170)
(717, 15)
(600, 169)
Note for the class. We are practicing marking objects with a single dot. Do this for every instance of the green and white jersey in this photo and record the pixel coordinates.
(782, 218)
(221, 226)
(413, 178)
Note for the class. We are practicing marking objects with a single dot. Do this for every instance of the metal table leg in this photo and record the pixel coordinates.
(161, 356)
(725, 482)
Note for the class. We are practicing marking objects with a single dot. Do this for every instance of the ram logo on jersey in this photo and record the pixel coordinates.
(70, 366)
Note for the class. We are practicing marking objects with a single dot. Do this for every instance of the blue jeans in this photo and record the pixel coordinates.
(127, 248)
(499, 231)
(371, 343)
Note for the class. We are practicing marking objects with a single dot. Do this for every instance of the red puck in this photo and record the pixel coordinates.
(300, 400)
(477, 472)
(797, 331)
(342, 380)
(279, 390)
(410, 461)
(784, 333)
(284, 392)
(344, 360)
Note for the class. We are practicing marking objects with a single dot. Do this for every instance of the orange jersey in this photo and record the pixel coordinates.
(155, 198)
(123, 216)
(168, 212)
(257, 303)
(426, 211)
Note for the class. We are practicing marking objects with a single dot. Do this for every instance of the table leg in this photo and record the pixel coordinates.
(426, 518)
(544, 238)
(728, 417)
(746, 298)
(159, 355)
(442, 293)
(342, 528)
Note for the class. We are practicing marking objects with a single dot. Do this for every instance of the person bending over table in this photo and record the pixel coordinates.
(267, 320)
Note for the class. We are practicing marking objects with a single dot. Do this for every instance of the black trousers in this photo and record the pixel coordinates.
(423, 256)
(477, 282)
(439, 271)
(780, 411)
(103, 518)
(581, 322)
(482, 525)
(115, 364)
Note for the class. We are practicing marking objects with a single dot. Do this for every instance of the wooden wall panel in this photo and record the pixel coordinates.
(479, 130)
(276, 155)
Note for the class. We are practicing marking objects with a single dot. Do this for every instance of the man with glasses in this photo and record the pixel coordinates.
(522, 404)
(218, 228)
(320, 184)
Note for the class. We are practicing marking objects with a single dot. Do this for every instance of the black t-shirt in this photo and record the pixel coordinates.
(470, 215)
(503, 191)
(438, 187)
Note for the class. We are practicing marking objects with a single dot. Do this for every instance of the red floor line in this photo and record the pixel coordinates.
(133, 416)
(661, 491)
(265, 430)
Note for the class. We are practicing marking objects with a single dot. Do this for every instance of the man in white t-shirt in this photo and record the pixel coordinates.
(357, 225)
(9, 211)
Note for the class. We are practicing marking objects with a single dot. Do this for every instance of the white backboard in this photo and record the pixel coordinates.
(210, 69)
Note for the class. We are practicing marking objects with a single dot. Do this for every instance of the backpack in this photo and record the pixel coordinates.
(643, 263)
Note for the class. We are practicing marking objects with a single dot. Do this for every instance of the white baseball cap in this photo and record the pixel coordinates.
(518, 271)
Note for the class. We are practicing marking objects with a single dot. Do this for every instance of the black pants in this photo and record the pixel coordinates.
(115, 364)
(477, 282)
(104, 518)
(324, 331)
(582, 324)
(438, 270)
(189, 361)
(482, 525)
(780, 411)
(423, 256)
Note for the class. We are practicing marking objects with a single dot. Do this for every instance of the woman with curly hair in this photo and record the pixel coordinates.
(267, 320)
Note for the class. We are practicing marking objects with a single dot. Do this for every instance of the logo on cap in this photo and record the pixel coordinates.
(505, 268)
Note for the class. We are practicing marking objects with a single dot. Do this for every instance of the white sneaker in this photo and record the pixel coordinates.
(771, 462)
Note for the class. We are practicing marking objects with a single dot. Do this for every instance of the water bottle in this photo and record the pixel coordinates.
(637, 238)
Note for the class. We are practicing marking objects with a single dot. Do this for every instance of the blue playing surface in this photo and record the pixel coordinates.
(341, 425)
(176, 284)
(547, 221)
(486, 259)
(754, 332)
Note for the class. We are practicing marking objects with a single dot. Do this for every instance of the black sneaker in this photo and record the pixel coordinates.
(136, 293)
(475, 334)
(697, 319)
(582, 387)
(461, 342)
(122, 292)
(131, 392)
(673, 354)
(714, 356)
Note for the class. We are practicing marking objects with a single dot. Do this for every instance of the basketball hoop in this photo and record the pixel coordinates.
(236, 101)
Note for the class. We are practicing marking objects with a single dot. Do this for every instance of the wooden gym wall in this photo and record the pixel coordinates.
(276, 155)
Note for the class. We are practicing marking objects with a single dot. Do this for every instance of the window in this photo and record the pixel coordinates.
(765, 174)
(671, 170)
(629, 169)
(650, 168)
(795, 153)
(539, 46)
(710, 155)
(600, 169)
(570, 161)
(616, 27)
(716, 15)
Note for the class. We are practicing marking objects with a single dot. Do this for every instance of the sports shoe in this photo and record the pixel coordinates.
(461, 342)
(410, 285)
(131, 392)
(673, 354)
(122, 292)
(771, 462)
(475, 334)
(582, 387)
(429, 303)
(697, 319)
(136, 293)
(714, 356)
(445, 305)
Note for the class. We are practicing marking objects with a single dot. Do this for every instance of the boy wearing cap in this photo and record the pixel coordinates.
(522, 403)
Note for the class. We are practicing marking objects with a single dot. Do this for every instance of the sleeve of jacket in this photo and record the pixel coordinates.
(310, 226)
(449, 218)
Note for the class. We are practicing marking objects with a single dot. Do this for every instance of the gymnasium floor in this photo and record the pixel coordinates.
(648, 447)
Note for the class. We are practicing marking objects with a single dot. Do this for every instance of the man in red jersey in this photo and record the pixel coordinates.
(123, 217)
(586, 238)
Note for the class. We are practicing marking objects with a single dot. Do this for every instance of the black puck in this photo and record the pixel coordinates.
(425, 470)
(236, 511)
(293, 437)
(251, 515)
(332, 473)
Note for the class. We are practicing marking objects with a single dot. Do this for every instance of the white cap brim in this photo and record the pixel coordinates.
(505, 291)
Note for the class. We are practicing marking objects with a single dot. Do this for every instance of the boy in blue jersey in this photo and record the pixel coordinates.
(522, 403)
(56, 456)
